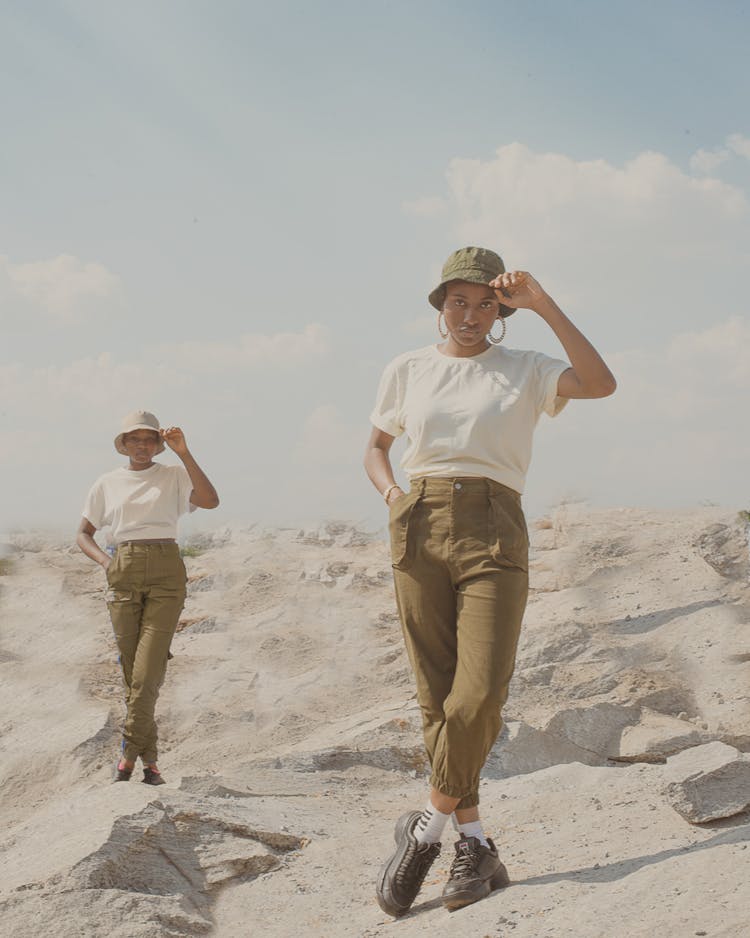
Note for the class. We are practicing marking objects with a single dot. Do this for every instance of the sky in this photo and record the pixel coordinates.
(231, 213)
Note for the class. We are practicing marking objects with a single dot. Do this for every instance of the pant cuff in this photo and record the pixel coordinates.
(469, 799)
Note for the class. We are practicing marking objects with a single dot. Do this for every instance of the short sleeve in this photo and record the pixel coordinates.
(548, 371)
(184, 490)
(386, 415)
(94, 510)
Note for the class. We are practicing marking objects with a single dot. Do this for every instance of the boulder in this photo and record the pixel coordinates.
(596, 729)
(709, 782)
(522, 749)
(725, 548)
(655, 737)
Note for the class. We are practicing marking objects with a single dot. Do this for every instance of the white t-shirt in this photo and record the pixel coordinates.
(140, 504)
(468, 416)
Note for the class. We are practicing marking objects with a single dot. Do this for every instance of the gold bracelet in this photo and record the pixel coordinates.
(389, 490)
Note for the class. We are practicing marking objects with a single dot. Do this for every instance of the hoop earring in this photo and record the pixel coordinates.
(443, 335)
(491, 338)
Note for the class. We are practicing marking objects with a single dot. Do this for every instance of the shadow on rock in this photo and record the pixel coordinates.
(637, 625)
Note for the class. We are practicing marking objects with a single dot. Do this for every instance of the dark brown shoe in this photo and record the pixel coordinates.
(475, 872)
(152, 777)
(403, 873)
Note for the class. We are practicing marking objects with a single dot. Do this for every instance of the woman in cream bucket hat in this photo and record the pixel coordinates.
(459, 543)
(138, 420)
(141, 503)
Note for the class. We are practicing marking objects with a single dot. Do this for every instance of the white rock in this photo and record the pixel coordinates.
(709, 782)
(655, 737)
(522, 749)
(597, 729)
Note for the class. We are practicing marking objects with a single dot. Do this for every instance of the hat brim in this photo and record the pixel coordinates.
(120, 447)
(437, 296)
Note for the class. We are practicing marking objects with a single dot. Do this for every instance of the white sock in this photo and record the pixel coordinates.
(456, 825)
(474, 829)
(429, 828)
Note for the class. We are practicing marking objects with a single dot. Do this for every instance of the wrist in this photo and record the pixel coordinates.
(545, 306)
(388, 493)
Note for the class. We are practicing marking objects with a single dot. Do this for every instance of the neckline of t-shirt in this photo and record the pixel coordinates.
(141, 472)
(463, 358)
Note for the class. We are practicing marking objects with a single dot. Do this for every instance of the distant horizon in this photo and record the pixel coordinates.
(195, 526)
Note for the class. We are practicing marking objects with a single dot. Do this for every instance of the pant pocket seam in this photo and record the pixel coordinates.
(506, 548)
(398, 527)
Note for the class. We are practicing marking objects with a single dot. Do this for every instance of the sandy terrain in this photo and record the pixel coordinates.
(290, 741)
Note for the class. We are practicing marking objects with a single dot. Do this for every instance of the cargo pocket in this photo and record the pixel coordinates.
(400, 515)
(509, 534)
(115, 597)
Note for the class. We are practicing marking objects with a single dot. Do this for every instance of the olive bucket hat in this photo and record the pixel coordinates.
(475, 265)
(138, 420)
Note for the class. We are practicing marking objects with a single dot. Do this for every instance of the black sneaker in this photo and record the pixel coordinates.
(403, 874)
(475, 872)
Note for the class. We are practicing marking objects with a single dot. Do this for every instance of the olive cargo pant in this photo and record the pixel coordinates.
(146, 596)
(460, 564)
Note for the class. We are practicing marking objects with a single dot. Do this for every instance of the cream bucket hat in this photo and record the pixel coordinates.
(138, 420)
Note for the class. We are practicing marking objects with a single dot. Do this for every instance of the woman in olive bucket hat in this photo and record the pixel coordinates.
(141, 503)
(459, 541)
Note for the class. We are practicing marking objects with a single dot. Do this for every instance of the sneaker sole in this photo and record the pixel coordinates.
(382, 893)
(457, 900)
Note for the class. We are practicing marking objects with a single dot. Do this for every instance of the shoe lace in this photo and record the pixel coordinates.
(464, 865)
(413, 868)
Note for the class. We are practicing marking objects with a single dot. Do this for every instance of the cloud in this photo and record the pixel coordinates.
(44, 394)
(527, 196)
(239, 405)
(739, 145)
(328, 458)
(706, 161)
(642, 243)
(326, 440)
(673, 433)
(64, 287)
(698, 378)
(281, 349)
(100, 382)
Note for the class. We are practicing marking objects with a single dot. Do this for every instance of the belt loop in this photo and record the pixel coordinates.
(422, 485)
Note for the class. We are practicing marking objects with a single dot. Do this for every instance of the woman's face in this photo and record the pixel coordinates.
(141, 446)
(470, 309)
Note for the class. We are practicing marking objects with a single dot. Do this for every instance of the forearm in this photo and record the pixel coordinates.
(204, 494)
(379, 470)
(92, 550)
(594, 377)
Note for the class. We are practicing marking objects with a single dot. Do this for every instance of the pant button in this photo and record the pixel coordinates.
(457, 486)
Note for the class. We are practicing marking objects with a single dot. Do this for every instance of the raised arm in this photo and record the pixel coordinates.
(589, 376)
(204, 494)
(377, 463)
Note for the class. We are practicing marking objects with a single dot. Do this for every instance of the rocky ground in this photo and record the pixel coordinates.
(618, 794)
